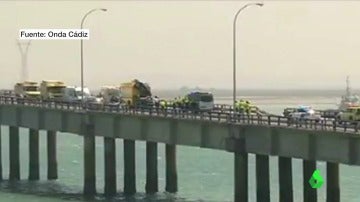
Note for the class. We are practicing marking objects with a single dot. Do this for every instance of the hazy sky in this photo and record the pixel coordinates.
(303, 44)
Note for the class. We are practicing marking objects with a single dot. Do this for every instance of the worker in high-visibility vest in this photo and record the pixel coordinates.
(247, 107)
(163, 104)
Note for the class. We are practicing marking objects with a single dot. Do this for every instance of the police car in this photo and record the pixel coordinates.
(305, 113)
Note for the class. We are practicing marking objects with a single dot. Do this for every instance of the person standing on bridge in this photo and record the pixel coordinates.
(157, 103)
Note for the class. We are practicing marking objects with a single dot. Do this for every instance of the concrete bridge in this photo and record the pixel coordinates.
(223, 130)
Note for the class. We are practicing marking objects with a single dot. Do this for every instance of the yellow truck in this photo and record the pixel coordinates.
(27, 89)
(136, 93)
(52, 89)
(350, 114)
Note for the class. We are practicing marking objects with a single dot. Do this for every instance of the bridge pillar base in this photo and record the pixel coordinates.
(241, 177)
(310, 194)
(332, 186)
(89, 166)
(129, 167)
(52, 172)
(285, 179)
(151, 186)
(34, 173)
(171, 173)
(1, 168)
(110, 166)
(262, 178)
(14, 153)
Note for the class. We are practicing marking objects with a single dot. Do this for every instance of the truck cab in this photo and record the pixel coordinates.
(69, 94)
(202, 101)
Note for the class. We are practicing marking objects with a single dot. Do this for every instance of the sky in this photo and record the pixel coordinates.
(170, 44)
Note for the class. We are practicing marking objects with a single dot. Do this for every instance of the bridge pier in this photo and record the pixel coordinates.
(52, 172)
(262, 178)
(171, 173)
(129, 167)
(1, 168)
(332, 186)
(285, 179)
(110, 166)
(89, 165)
(34, 173)
(310, 194)
(14, 153)
(241, 177)
(151, 186)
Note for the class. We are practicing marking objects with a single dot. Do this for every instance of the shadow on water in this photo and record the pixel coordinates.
(57, 190)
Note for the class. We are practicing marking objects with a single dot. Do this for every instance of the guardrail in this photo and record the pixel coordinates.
(221, 113)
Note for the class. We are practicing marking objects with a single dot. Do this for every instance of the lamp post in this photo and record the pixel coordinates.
(82, 51)
(234, 48)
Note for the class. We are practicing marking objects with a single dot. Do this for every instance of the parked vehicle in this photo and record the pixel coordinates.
(110, 95)
(52, 90)
(27, 89)
(305, 113)
(350, 114)
(202, 101)
(88, 98)
(136, 94)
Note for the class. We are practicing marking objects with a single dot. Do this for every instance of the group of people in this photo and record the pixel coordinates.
(178, 102)
(243, 106)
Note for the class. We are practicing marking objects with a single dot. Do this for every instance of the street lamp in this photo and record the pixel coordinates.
(82, 55)
(234, 48)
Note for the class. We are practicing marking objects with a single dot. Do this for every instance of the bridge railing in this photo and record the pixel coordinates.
(222, 113)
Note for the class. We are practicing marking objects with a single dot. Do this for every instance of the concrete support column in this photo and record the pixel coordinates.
(241, 177)
(310, 194)
(1, 168)
(285, 179)
(110, 166)
(52, 171)
(89, 165)
(14, 153)
(332, 186)
(171, 173)
(129, 167)
(262, 178)
(151, 186)
(34, 173)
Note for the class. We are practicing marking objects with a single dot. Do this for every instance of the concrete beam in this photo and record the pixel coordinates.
(110, 166)
(129, 167)
(14, 153)
(285, 179)
(241, 177)
(262, 178)
(52, 172)
(151, 186)
(171, 173)
(332, 179)
(34, 172)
